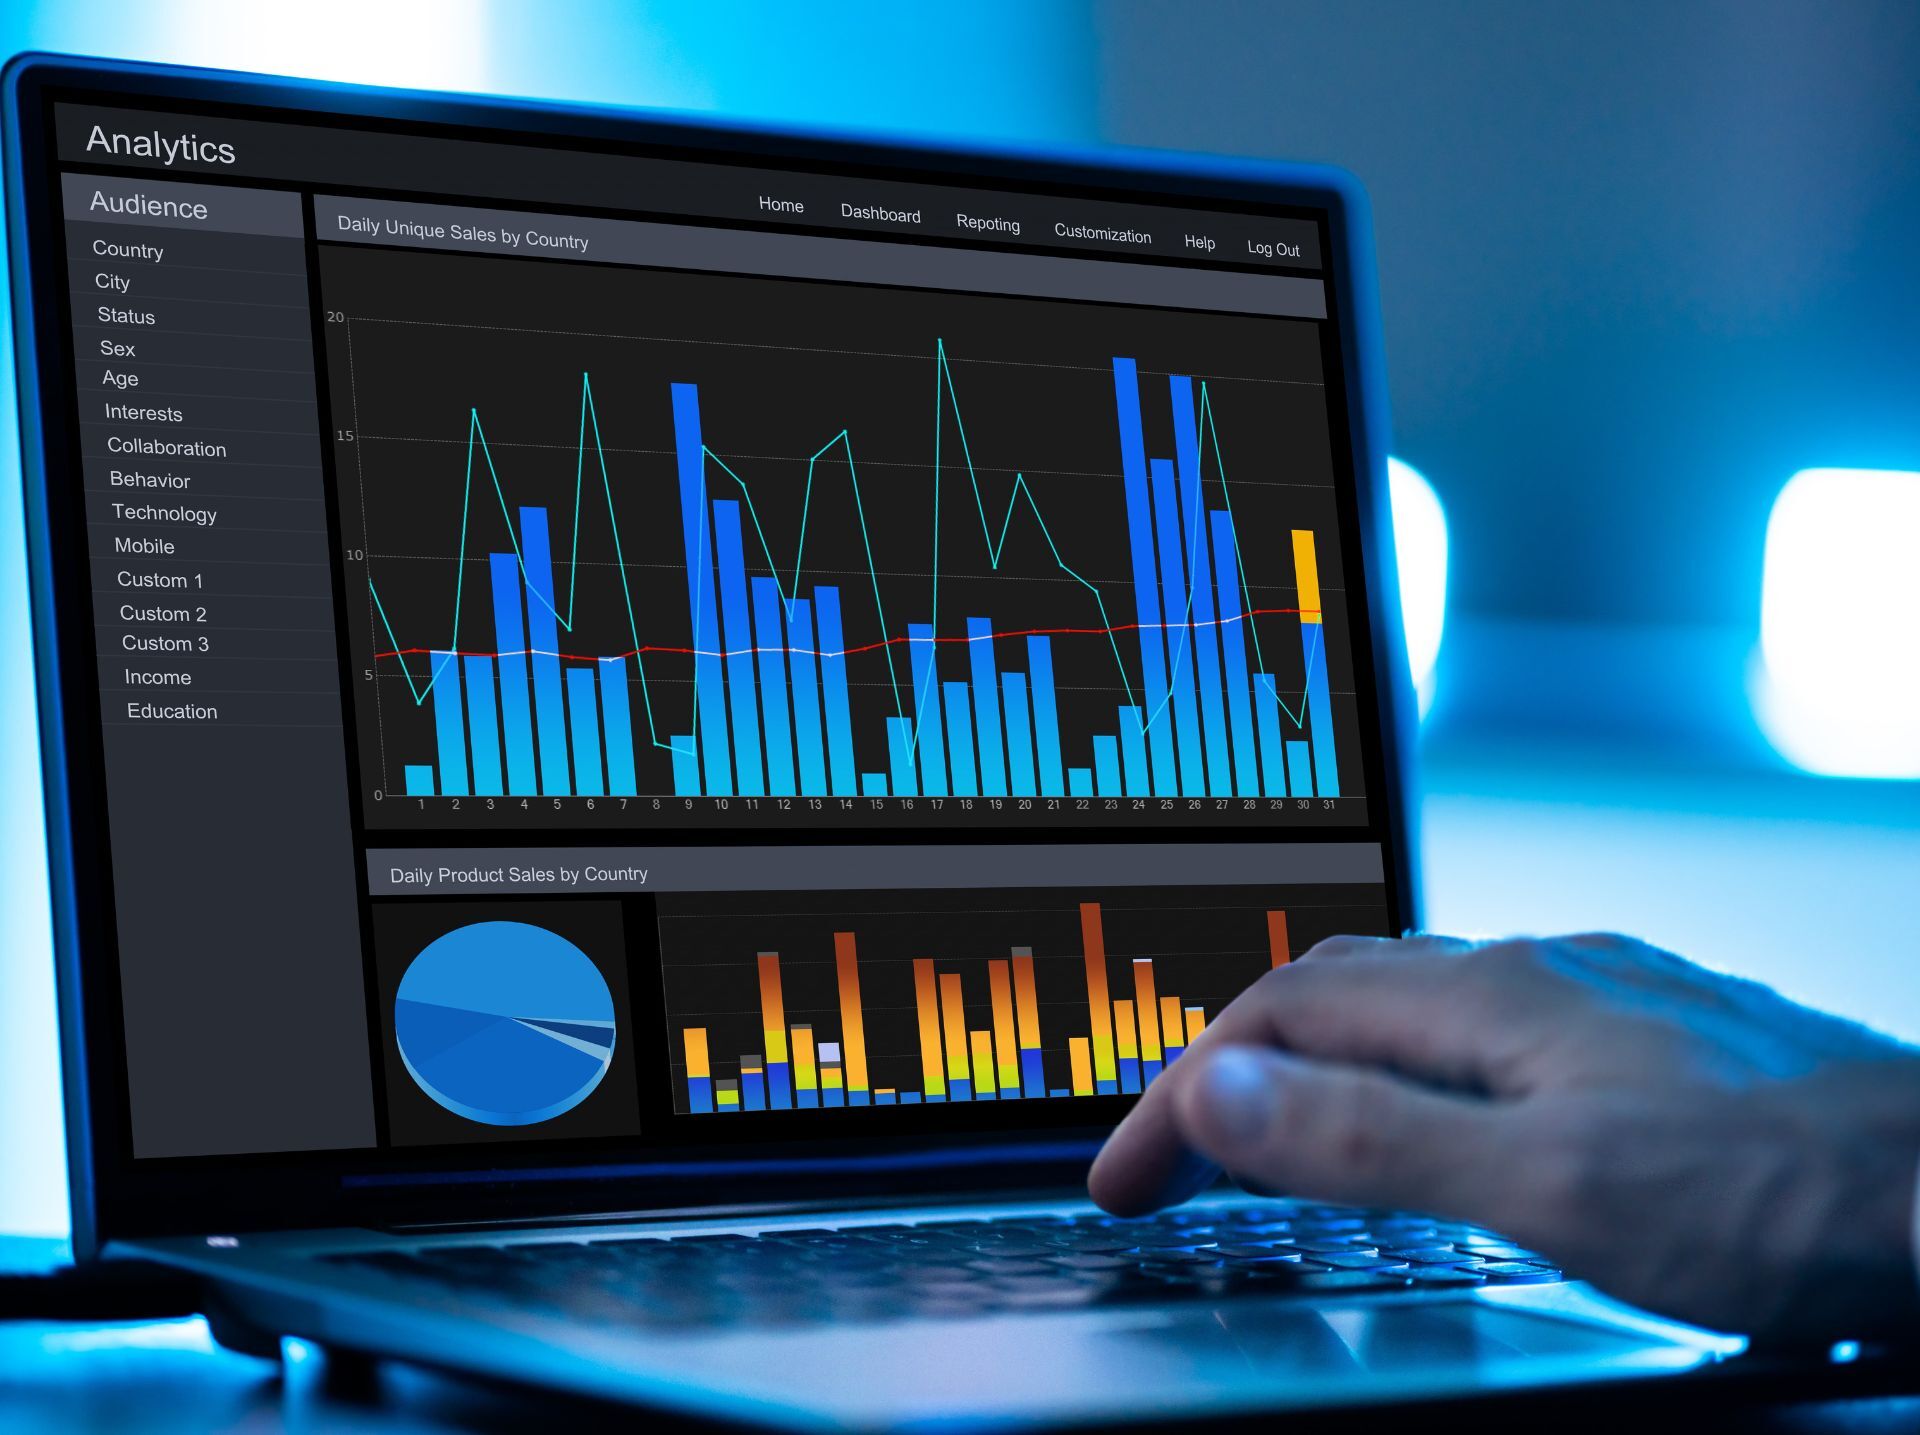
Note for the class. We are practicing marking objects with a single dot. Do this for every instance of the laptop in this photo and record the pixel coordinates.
(652, 727)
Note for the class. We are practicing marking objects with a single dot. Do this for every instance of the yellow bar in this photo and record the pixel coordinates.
(983, 1081)
(1082, 1064)
(853, 1021)
(805, 1071)
(727, 1096)
(696, 1040)
(999, 982)
(1306, 575)
(1094, 942)
(1147, 1008)
(1196, 1023)
(1123, 1030)
(1170, 1022)
(953, 1017)
(927, 1002)
(831, 1078)
(773, 1011)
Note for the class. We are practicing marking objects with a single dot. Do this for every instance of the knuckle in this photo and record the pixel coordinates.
(1332, 947)
(1357, 1134)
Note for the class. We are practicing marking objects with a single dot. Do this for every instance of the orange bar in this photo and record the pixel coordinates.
(1196, 1023)
(1123, 1030)
(773, 1011)
(853, 1022)
(1094, 940)
(932, 1081)
(1277, 938)
(1306, 575)
(1148, 1009)
(805, 1073)
(1008, 1055)
(983, 1081)
(1026, 1001)
(1082, 1066)
(696, 1040)
(1170, 1022)
(953, 1017)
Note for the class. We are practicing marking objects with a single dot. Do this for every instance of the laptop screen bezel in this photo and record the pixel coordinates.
(114, 1195)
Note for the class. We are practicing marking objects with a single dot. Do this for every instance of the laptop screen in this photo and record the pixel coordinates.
(602, 647)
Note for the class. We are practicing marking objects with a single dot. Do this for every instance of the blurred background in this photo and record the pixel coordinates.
(1652, 301)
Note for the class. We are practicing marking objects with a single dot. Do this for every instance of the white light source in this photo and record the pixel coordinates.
(1837, 684)
(417, 44)
(1420, 540)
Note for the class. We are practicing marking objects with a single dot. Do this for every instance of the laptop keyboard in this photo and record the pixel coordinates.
(935, 1269)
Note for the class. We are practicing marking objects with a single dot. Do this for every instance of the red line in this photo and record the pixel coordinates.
(844, 653)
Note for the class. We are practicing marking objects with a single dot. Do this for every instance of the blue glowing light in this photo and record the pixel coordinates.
(1420, 540)
(1837, 683)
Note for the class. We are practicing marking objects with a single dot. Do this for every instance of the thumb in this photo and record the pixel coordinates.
(1346, 1134)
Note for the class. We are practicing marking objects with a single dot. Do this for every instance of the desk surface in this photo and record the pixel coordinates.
(169, 1378)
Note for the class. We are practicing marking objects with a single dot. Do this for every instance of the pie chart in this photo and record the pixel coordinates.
(504, 1023)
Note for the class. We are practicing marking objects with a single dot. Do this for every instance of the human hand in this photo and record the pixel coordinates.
(1690, 1142)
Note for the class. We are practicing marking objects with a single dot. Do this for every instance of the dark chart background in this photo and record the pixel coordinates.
(1206, 943)
(794, 377)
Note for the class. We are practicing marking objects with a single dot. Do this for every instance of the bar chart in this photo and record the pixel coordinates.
(635, 584)
(876, 1004)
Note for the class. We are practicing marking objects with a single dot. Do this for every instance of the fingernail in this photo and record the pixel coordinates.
(1238, 1093)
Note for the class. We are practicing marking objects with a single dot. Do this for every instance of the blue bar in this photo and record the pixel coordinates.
(1106, 1088)
(710, 699)
(700, 1094)
(1273, 760)
(1148, 1070)
(1146, 584)
(930, 737)
(809, 743)
(1046, 721)
(909, 1098)
(873, 784)
(420, 779)
(738, 635)
(769, 637)
(1033, 1074)
(510, 637)
(753, 1091)
(448, 726)
(1079, 782)
(986, 708)
(1233, 643)
(1059, 1091)
(833, 684)
(1019, 736)
(960, 740)
(780, 1085)
(686, 765)
(1326, 770)
(1130, 1075)
(858, 1098)
(483, 728)
(616, 717)
(885, 1098)
(808, 1100)
(959, 1091)
(1184, 711)
(1170, 1052)
(1106, 765)
(585, 713)
(900, 755)
(833, 1095)
(1133, 752)
(1299, 774)
(543, 637)
(1204, 634)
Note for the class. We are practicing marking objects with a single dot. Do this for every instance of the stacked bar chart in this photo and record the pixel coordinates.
(735, 578)
(991, 1025)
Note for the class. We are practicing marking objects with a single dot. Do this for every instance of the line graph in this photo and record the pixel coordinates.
(780, 655)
